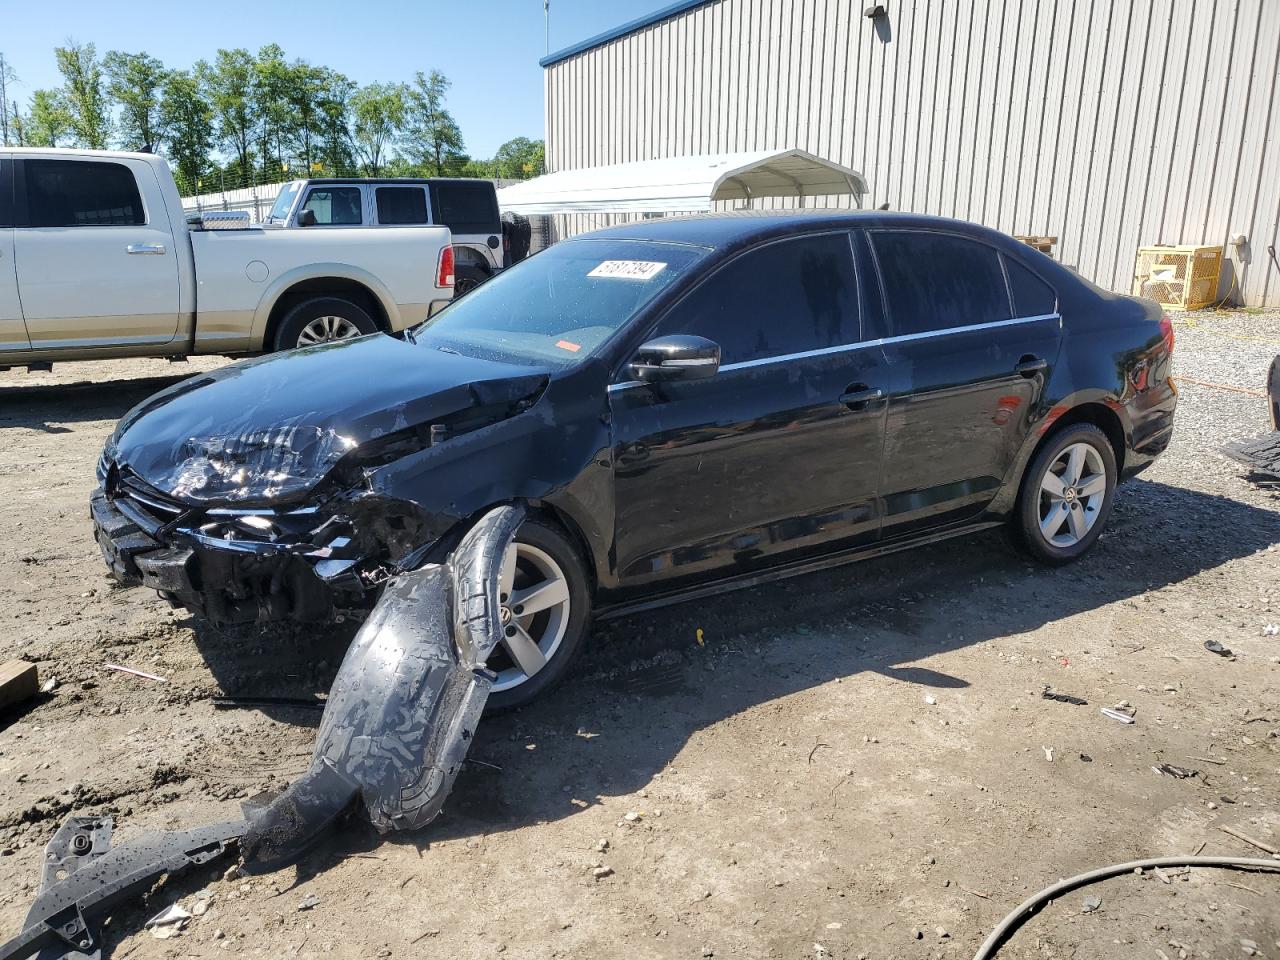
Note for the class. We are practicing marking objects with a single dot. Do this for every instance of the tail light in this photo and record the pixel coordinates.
(444, 274)
(1166, 332)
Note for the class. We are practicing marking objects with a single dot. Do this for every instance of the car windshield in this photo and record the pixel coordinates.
(561, 304)
(284, 200)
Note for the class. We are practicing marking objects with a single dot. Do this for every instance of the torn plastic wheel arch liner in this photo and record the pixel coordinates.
(401, 716)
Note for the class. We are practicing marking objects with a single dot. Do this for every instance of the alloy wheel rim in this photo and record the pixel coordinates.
(534, 595)
(1072, 491)
(327, 329)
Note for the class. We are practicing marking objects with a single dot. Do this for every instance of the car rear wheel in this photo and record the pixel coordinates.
(1067, 494)
(545, 608)
(467, 279)
(323, 320)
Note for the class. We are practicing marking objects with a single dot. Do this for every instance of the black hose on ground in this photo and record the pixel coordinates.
(1031, 907)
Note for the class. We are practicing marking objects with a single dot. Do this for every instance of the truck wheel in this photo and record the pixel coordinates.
(467, 279)
(322, 320)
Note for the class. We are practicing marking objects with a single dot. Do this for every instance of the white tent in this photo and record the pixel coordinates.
(683, 184)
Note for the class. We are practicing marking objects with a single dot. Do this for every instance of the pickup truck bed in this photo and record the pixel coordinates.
(97, 260)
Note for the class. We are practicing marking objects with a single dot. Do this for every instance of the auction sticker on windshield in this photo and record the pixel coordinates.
(628, 269)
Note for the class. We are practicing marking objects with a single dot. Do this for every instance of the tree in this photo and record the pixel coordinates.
(18, 126)
(83, 93)
(432, 136)
(187, 119)
(271, 87)
(377, 116)
(228, 85)
(48, 122)
(135, 81)
(519, 159)
(333, 152)
(8, 108)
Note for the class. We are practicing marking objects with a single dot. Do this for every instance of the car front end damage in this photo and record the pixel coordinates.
(286, 513)
(400, 718)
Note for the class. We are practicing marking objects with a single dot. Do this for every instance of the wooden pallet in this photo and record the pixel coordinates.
(1043, 244)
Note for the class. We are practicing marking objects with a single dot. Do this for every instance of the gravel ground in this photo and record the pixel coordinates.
(852, 759)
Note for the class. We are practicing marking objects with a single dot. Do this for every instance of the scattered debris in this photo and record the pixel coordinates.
(1049, 694)
(917, 933)
(1271, 630)
(49, 685)
(1213, 646)
(586, 735)
(602, 845)
(1048, 753)
(931, 700)
(632, 816)
(816, 747)
(601, 872)
(1091, 904)
(1248, 839)
(134, 673)
(1086, 758)
(1170, 770)
(169, 922)
(1208, 760)
(1116, 715)
(18, 682)
(200, 907)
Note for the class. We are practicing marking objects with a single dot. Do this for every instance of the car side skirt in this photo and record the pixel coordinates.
(608, 611)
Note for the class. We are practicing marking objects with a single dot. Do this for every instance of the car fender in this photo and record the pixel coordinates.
(280, 285)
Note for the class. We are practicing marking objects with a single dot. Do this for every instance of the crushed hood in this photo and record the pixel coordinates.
(271, 428)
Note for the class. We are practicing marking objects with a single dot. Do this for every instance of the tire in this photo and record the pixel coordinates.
(466, 279)
(541, 546)
(305, 324)
(1059, 528)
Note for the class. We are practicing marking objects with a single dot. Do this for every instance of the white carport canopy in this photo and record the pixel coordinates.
(683, 184)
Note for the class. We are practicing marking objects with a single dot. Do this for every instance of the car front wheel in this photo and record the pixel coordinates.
(1067, 494)
(545, 606)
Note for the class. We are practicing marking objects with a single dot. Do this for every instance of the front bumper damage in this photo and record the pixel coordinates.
(401, 716)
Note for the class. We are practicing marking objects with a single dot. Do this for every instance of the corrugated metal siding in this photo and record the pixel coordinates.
(1109, 125)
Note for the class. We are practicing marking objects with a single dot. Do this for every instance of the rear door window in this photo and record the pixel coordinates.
(787, 297)
(335, 206)
(937, 281)
(6, 193)
(81, 193)
(466, 207)
(1032, 297)
(401, 205)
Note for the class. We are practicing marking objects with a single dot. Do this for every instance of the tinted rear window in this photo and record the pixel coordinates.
(1032, 297)
(6, 193)
(401, 204)
(466, 207)
(81, 193)
(935, 281)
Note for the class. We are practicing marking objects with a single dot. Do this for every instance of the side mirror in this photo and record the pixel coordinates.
(678, 357)
(306, 218)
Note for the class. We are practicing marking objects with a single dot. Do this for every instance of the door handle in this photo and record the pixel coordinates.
(859, 394)
(1029, 366)
(155, 249)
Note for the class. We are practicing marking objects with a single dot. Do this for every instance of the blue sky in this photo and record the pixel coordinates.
(490, 50)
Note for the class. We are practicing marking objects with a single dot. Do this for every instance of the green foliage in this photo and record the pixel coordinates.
(431, 135)
(48, 122)
(377, 114)
(520, 159)
(134, 81)
(84, 95)
(187, 119)
(245, 118)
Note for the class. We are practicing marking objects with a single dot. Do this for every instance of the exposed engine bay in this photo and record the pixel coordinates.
(401, 716)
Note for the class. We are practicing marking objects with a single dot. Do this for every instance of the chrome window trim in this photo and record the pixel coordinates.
(881, 342)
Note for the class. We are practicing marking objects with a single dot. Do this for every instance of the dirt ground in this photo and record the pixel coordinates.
(852, 758)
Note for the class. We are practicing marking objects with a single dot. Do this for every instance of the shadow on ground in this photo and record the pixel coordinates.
(46, 407)
(645, 686)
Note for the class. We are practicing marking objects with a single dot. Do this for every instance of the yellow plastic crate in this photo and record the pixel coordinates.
(1181, 278)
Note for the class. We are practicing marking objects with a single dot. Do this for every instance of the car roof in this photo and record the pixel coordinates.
(736, 227)
(392, 181)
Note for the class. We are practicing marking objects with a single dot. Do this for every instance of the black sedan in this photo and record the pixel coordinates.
(683, 406)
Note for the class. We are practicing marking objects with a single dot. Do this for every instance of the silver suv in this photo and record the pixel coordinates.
(469, 208)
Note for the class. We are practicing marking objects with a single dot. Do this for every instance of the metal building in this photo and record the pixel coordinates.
(1110, 124)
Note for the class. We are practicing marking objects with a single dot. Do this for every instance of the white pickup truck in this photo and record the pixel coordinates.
(97, 261)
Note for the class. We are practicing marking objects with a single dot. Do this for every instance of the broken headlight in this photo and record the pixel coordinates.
(256, 465)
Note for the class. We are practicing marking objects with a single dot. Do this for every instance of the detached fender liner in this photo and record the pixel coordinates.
(400, 719)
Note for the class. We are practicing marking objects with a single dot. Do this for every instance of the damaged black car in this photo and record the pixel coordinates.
(678, 406)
